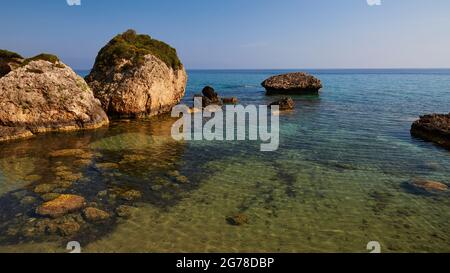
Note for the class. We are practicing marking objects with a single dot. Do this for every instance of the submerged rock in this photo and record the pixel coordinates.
(238, 219)
(63, 204)
(428, 186)
(434, 128)
(137, 76)
(232, 100)
(284, 104)
(43, 95)
(28, 200)
(292, 83)
(44, 188)
(107, 166)
(131, 195)
(50, 196)
(124, 211)
(95, 215)
(67, 153)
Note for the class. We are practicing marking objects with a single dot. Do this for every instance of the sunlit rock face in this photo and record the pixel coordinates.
(46, 95)
(137, 76)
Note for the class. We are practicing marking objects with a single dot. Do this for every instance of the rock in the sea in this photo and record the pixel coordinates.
(107, 166)
(44, 188)
(209, 97)
(232, 100)
(131, 195)
(68, 227)
(434, 128)
(137, 76)
(50, 196)
(210, 94)
(65, 203)
(292, 83)
(43, 95)
(284, 104)
(124, 211)
(28, 200)
(95, 215)
(237, 220)
(428, 186)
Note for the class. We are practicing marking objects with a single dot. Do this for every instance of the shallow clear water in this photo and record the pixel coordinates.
(335, 183)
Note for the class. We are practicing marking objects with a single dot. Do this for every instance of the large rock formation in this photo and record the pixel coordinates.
(434, 128)
(292, 83)
(42, 94)
(137, 76)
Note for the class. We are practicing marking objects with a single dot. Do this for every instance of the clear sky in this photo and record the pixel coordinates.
(240, 33)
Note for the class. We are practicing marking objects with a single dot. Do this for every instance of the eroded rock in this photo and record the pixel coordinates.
(137, 76)
(434, 128)
(297, 83)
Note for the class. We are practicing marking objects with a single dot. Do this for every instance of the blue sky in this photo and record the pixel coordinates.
(240, 33)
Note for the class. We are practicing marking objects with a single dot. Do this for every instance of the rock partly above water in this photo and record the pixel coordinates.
(209, 97)
(43, 95)
(292, 83)
(137, 76)
(434, 128)
(284, 104)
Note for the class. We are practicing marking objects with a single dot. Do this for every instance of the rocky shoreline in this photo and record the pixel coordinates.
(45, 95)
(134, 76)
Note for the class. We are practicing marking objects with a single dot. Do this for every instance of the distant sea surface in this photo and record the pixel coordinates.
(336, 182)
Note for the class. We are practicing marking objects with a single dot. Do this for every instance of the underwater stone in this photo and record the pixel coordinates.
(94, 214)
(131, 195)
(50, 196)
(28, 200)
(67, 153)
(32, 178)
(44, 188)
(237, 220)
(105, 166)
(124, 211)
(429, 186)
(284, 104)
(62, 205)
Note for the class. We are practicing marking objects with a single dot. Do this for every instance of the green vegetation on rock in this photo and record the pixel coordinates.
(44, 56)
(131, 46)
(8, 55)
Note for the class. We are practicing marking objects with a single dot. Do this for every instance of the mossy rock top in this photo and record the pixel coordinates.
(43, 56)
(134, 47)
(6, 55)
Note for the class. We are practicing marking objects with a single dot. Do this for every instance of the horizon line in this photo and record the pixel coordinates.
(342, 68)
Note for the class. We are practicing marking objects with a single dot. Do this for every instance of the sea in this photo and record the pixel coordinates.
(339, 179)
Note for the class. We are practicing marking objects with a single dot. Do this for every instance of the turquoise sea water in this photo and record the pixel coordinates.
(335, 183)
